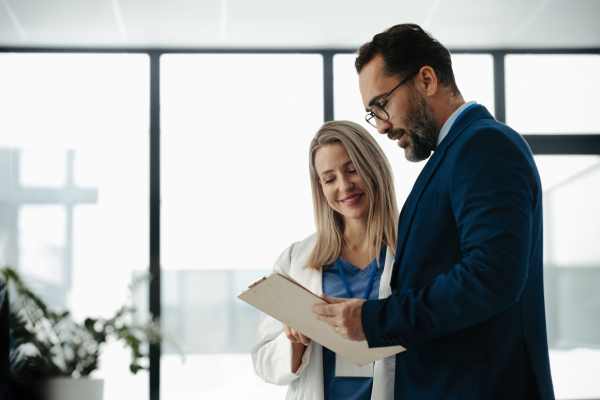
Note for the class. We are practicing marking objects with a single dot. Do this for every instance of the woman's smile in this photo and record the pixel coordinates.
(352, 199)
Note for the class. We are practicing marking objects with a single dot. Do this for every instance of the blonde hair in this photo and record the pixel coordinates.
(376, 173)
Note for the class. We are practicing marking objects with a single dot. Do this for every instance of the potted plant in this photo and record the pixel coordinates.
(48, 345)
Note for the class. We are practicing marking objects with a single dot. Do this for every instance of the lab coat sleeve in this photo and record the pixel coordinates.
(272, 353)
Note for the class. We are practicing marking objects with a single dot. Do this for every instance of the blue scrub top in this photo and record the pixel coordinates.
(349, 388)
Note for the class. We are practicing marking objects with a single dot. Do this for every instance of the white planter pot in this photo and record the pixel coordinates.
(64, 388)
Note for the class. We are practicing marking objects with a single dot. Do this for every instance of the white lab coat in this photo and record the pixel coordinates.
(272, 353)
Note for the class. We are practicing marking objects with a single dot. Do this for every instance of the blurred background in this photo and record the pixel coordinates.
(172, 137)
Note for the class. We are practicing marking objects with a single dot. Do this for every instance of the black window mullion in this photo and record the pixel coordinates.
(328, 114)
(499, 86)
(154, 351)
(564, 144)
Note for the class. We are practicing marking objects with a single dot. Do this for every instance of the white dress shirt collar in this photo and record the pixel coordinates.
(450, 121)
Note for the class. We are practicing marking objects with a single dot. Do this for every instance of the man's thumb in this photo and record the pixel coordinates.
(332, 300)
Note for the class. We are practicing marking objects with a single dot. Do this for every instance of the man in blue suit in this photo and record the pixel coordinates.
(468, 299)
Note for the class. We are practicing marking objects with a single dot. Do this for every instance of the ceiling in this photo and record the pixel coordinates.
(299, 24)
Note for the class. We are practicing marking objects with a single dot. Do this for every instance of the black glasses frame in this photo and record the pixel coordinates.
(371, 114)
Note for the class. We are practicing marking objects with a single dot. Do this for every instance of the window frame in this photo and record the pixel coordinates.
(546, 144)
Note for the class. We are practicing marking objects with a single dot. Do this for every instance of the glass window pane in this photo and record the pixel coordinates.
(553, 93)
(74, 186)
(235, 133)
(572, 271)
(474, 74)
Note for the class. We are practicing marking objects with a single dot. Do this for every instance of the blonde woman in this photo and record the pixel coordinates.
(350, 255)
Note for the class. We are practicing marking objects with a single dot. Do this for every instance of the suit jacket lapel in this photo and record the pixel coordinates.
(410, 206)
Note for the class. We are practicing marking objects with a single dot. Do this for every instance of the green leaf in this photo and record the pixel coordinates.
(134, 368)
(89, 324)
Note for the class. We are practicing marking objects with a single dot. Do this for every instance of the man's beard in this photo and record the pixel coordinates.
(421, 129)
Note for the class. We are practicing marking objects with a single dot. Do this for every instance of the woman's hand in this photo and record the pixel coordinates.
(295, 337)
(299, 343)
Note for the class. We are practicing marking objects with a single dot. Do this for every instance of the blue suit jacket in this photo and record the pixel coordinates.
(468, 300)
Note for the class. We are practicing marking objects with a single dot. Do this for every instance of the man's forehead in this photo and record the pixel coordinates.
(373, 70)
(372, 80)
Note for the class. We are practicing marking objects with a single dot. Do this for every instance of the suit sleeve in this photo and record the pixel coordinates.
(493, 188)
(272, 353)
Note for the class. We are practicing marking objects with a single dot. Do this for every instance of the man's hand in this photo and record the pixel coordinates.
(344, 314)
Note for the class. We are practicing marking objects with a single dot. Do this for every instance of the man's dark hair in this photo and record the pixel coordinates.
(406, 48)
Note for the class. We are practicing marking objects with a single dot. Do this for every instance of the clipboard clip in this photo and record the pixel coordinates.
(257, 282)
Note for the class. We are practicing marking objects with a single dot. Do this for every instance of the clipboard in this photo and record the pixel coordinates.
(290, 303)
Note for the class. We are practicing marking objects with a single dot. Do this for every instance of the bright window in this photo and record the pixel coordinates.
(553, 93)
(572, 272)
(74, 186)
(235, 134)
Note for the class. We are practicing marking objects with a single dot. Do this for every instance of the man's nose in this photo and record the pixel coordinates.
(383, 126)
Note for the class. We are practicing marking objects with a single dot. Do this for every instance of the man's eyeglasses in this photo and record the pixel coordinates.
(377, 109)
